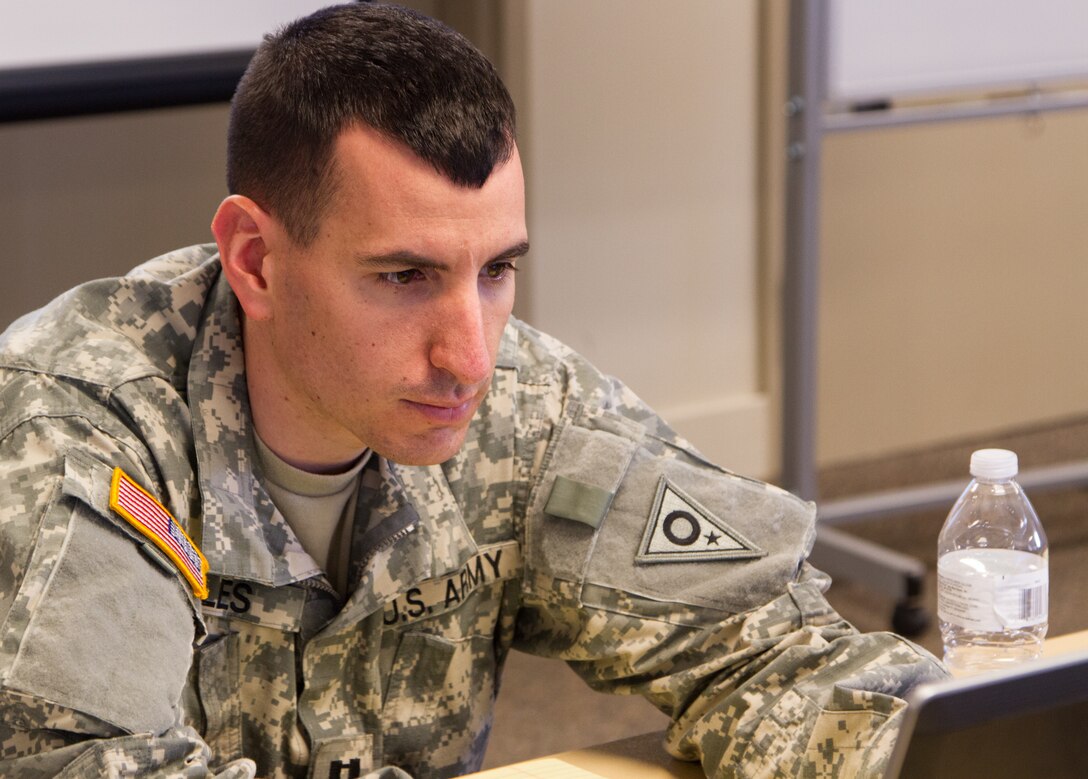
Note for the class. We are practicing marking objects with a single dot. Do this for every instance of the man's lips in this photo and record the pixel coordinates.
(445, 412)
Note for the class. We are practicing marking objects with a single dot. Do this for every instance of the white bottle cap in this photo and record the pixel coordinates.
(994, 464)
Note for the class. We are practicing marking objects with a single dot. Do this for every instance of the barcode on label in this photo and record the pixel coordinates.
(1032, 602)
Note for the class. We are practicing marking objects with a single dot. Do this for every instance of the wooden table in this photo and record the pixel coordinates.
(638, 757)
(1070, 642)
(643, 757)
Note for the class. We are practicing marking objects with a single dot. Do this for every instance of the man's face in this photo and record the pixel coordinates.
(385, 330)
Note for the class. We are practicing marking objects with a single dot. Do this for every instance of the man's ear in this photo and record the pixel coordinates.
(245, 233)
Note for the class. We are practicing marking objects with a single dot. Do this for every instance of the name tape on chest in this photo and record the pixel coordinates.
(681, 530)
(434, 596)
(147, 515)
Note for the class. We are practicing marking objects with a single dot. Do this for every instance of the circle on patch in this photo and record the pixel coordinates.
(681, 516)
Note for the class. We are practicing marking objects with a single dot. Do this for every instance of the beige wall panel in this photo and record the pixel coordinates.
(638, 125)
(954, 282)
(90, 197)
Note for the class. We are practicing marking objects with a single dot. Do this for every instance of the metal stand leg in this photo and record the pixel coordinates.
(890, 573)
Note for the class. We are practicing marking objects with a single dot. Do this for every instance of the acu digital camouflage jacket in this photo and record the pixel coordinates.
(573, 524)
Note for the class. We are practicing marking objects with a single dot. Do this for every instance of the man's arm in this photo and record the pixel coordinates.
(178, 752)
(97, 628)
(652, 571)
(786, 690)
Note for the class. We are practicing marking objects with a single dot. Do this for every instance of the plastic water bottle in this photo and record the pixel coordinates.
(992, 573)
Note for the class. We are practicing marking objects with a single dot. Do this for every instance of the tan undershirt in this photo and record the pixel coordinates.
(318, 506)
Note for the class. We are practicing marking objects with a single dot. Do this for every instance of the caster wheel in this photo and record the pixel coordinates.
(909, 620)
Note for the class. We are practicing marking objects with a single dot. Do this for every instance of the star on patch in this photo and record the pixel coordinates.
(680, 529)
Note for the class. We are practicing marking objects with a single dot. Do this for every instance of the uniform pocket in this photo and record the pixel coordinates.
(101, 624)
(439, 686)
(583, 467)
(682, 531)
(245, 676)
(797, 734)
(217, 681)
(110, 634)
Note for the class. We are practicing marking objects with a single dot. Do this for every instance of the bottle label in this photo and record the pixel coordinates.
(992, 589)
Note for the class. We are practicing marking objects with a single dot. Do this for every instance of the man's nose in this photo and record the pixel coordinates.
(459, 342)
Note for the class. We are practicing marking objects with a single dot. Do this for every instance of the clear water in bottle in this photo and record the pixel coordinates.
(992, 575)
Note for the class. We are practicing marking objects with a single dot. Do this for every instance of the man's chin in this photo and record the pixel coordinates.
(434, 448)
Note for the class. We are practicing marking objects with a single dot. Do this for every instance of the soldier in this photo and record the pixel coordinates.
(281, 506)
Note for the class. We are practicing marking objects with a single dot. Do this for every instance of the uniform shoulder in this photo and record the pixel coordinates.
(554, 381)
(529, 351)
(112, 330)
(546, 366)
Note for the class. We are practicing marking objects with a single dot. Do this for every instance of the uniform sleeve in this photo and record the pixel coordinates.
(96, 629)
(652, 571)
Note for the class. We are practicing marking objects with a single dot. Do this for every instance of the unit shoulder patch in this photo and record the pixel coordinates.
(153, 521)
(680, 529)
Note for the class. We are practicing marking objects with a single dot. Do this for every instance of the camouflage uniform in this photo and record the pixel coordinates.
(573, 523)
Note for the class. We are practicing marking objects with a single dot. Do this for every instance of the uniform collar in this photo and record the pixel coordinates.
(243, 535)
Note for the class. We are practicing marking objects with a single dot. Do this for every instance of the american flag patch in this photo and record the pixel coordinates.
(152, 519)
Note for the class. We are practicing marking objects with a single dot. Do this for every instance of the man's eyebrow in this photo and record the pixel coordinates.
(398, 260)
(408, 259)
(515, 251)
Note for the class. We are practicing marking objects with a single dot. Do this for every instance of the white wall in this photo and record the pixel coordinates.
(638, 126)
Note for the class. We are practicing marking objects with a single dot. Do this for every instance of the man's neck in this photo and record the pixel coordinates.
(282, 422)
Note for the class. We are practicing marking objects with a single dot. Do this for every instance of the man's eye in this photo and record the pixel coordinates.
(499, 270)
(401, 277)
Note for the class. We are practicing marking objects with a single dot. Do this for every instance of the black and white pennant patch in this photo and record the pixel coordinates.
(681, 530)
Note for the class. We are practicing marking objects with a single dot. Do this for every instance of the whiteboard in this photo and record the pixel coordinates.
(72, 57)
(879, 49)
(67, 32)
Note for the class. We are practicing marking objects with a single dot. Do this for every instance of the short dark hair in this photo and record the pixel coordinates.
(406, 75)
